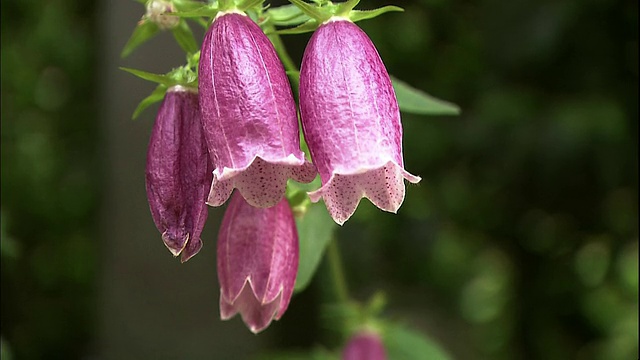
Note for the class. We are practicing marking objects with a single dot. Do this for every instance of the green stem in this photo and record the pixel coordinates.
(288, 63)
(337, 272)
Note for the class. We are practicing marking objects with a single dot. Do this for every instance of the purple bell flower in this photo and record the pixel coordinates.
(351, 121)
(257, 262)
(364, 346)
(248, 114)
(178, 172)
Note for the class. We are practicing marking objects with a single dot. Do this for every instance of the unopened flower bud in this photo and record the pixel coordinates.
(178, 173)
(257, 262)
(364, 346)
(156, 12)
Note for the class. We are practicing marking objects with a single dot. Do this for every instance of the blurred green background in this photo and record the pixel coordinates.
(521, 242)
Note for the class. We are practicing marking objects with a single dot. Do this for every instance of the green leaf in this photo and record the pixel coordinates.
(249, 4)
(312, 11)
(156, 95)
(193, 59)
(156, 78)
(143, 32)
(357, 15)
(183, 35)
(287, 15)
(343, 9)
(412, 100)
(203, 11)
(315, 231)
(225, 4)
(405, 344)
(309, 26)
(186, 5)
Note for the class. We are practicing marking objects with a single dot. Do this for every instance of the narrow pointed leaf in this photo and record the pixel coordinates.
(249, 4)
(309, 26)
(184, 36)
(187, 5)
(156, 78)
(225, 4)
(193, 59)
(315, 231)
(310, 10)
(204, 11)
(287, 15)
(202, 22)
(345, 7)
(357, 15)
(143, 32)
(414, 101)
(156, 96)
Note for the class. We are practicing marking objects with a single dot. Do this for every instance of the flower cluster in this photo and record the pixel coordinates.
(239, 130)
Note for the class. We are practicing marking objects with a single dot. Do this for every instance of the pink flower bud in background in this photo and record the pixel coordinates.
(364, 346)
(248, 114)
(178, 172)
(257, 262)
(351, 121)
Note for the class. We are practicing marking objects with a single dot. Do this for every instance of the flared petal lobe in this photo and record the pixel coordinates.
(248, 113)
(351, 121)
(364, 346)
(257, 262)
(178, 172)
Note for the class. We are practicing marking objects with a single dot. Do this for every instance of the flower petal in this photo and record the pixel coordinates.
(383, 186)
(261, 183)
(256, 315)
(258, 247)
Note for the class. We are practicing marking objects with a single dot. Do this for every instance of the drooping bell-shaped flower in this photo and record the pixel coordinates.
(257, 262)
(351, 121)
(365, 345)
(248, 114)
(178, 172)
